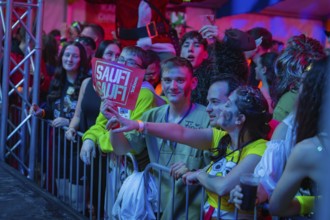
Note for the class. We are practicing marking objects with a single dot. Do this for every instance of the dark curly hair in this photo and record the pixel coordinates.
(226, 59)
(252, 104)
(57, 84)
(310, 100)
(300, 52)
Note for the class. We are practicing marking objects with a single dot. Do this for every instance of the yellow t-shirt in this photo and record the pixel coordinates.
(225, 165)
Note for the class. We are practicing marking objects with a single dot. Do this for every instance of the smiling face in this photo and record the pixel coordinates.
(217, 96)
(111, 52)
(193, 51)
(177, 84)
(71, 58)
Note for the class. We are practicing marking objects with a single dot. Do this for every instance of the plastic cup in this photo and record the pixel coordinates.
(249, 184)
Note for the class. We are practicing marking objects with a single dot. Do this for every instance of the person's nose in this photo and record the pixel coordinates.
(174, 84)
(191, 47)
(70, 58)
(113, 58)
(209, 108)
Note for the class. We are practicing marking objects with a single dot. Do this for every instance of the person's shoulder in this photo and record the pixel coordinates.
(289, 95)
(199, 107)
(260, 144)
(280, 131)
(156, 111)
(218, 132)
(85, 82)
(256, 147)
(306, 147)
(200, 111)
(145, 92)
(307, 152)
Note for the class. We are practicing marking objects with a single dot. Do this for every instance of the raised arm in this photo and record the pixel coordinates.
(197, 138)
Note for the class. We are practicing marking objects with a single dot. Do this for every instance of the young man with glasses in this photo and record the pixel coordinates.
(132, 56)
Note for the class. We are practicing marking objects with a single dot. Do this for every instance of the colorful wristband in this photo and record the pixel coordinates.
(306, 204)
(141, 126)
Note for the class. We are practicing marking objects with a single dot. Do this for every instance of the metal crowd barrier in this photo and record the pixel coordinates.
(63, 174)
(60, 171)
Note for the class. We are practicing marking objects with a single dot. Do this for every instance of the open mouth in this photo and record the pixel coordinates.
(191, 58)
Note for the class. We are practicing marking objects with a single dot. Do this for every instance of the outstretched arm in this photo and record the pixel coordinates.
(197, 138)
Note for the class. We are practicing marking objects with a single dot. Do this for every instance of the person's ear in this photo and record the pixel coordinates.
(240, 119)
(194, 82)
(258, 41)
(264, 70)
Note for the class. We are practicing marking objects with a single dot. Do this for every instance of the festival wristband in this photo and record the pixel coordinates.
(306, 204)
(141, 126)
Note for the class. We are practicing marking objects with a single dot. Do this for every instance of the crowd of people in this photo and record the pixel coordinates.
(216, 110)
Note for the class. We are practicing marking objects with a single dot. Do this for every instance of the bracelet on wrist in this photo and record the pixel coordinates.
(141, 126)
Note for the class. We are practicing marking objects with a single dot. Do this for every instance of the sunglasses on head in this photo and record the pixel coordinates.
(86, 41)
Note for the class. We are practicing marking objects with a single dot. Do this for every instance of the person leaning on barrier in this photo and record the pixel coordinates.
(61, 103)
(64, 88)
(86, 112)
(177, 83)
(219, 91)
(85, 116)
(244, 119)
